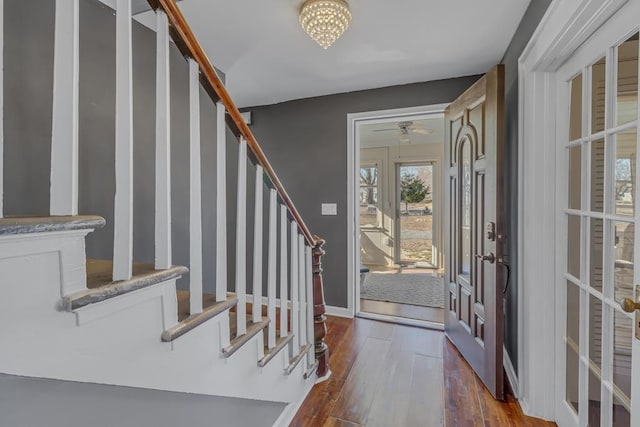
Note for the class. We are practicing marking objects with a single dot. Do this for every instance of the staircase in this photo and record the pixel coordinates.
(117, 321)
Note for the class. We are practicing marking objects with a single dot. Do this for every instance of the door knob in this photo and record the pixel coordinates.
(488, 257)
(629, 305)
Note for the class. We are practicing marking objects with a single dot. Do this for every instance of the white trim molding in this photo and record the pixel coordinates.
(354, 120)
(338, 312)
(511, 373)
(566, 25)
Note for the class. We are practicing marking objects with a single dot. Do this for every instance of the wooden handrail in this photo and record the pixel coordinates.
(189, 46)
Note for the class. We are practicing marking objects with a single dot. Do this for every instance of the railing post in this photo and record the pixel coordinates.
(256, 309)
(241, 240)
(64, 132)
(195, 192)
(302, 284)
(295, 303)
(320, 327)
(284, 294)
(1, 108)
(221, 204)
(163, 147)
(123, 204)
(309, 314)
(271, 260)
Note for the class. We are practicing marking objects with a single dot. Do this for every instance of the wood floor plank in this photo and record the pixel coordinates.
(462, 407)
(381, 330)
(336, 422)
(426, 404)
(344, 354)
(507, 413)
(354, 403)
(393, 393)
(422, 341)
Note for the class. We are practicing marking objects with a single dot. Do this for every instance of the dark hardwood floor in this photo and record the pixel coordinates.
(392, 376)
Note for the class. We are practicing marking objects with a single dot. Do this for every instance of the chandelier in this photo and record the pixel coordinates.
(325, 20)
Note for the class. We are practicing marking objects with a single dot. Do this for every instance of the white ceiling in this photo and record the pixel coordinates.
(388, 134)
(267, 57)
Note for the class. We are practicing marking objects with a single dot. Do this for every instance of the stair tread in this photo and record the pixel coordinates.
(297, 358)
(44, 224)
(238, 341)
(188, 321)
(233, 324)
(249, 306)
(100, 284)
(269, 354)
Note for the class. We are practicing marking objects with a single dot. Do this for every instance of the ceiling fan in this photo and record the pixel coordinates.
(407, 128)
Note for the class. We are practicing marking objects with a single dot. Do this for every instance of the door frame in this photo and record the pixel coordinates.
(436, 173)
(354, 121)
(566, 25)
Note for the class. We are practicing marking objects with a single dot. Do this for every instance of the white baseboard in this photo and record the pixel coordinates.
(287, 415)
(292, 408)
(524, 405)
(338, 311)
(329, 309)
(511, 373)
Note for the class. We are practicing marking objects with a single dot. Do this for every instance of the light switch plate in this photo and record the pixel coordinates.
(329, 209)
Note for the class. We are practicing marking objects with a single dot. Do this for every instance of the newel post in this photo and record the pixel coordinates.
(320, 328)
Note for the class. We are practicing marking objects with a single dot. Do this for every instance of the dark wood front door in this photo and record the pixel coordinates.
(475, 231)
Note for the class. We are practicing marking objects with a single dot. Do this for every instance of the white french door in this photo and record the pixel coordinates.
(597, 354)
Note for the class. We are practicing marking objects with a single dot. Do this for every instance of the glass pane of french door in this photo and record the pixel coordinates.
(600, 219)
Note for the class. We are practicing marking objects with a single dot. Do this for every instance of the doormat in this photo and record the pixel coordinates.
(422, 289)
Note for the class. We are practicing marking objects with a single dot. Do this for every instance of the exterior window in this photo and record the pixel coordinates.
(370, 215)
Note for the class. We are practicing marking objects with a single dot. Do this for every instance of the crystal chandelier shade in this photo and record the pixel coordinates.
(325, 20)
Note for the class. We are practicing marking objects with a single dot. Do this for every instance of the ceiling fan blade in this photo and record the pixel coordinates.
(422, 131)
(384, 130)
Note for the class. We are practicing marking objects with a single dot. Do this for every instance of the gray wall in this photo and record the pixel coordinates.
(28, 87)
(306, 142)
(527, 26)
(29, 402)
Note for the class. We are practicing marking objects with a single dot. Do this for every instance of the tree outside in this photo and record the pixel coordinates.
(412, 189)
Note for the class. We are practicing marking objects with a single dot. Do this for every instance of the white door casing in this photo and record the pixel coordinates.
(354, 121)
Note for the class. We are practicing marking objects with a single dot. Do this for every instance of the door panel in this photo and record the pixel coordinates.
(597, 133)
(474, 150)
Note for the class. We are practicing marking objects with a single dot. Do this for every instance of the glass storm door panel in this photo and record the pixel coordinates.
(597, 101)
(415, 213)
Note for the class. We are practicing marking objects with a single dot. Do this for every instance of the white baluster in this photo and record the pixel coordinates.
(1, 108)
(310, 332)
(271, 271)
(284, 297)
(302, 283)
(221, 204)
(195, 186)
(163, 146)
(241, 240)
(66, 86)
(257, 247)
(295, 303)
(123, 206)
